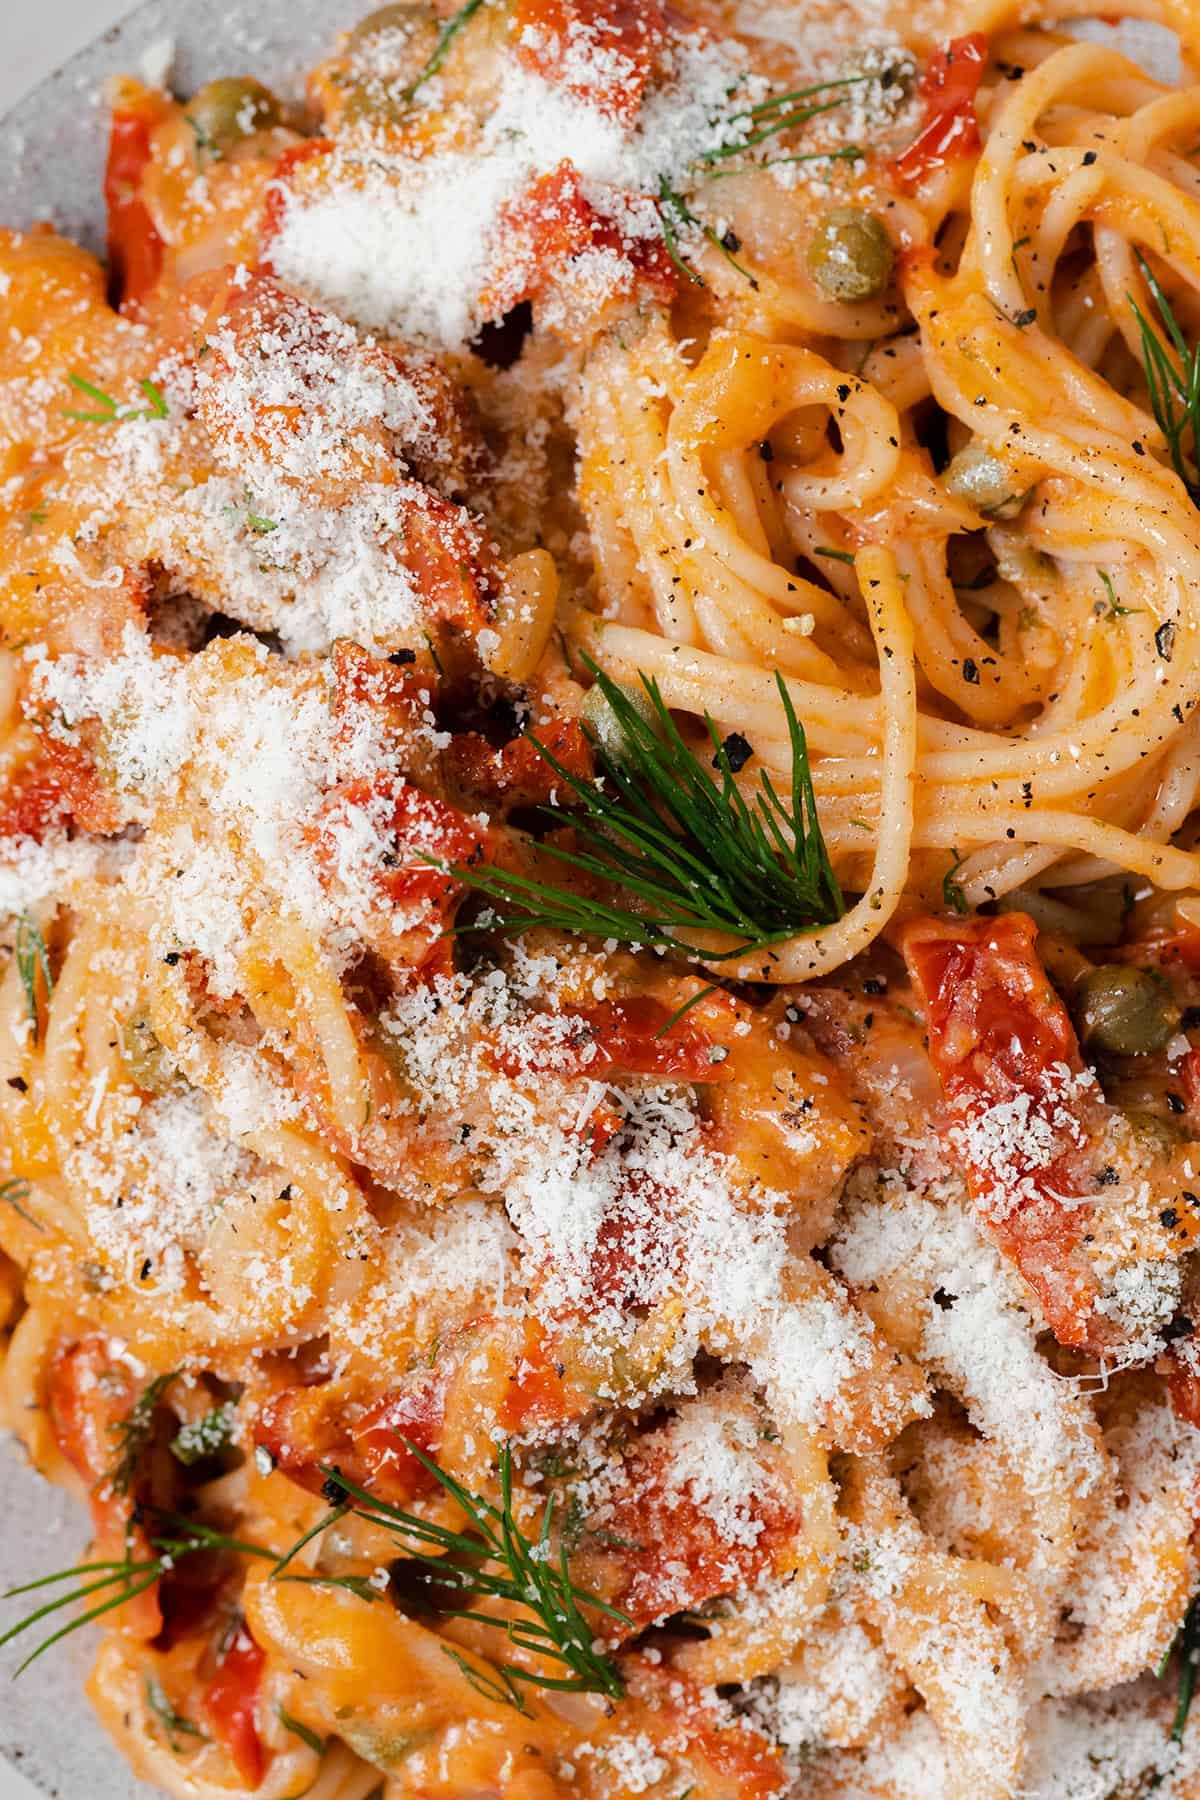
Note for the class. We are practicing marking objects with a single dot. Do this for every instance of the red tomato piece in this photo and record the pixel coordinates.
(89, 1394)
(634, 1036)
(604, 52)
(540, 1399)
(681, 1555)
(230, 1705)
(950, 127)
(135, 249)
(1023, 1112)
(681, 1709)
(544, 229)
(516, 772)
(279, 190)
(58, 787)
(307, 1427)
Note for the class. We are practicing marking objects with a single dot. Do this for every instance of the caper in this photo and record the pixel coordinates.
(986, 483)
(1126, 1011)
(145, 1058)
(224, 112)
(850, 254)
(404, 16)
(606, 727)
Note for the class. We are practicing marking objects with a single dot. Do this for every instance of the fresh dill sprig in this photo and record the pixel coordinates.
(1115, 611)
(32, 958)
(14, 1192)
(692, 850)
(109, 411)
(119, 1581)
(1173, 382)
(133, 1433)
(780, 112)
(496, 1684)
(693, 1000)
(674, 211)
(494, 1559)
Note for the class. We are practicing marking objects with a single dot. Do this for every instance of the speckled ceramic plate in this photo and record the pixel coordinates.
(51, 156)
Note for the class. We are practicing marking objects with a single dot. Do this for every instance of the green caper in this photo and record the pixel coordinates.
(224, 112)
(1152, 1132)
(406, 15)
(986, 483)
(144, 1057)
(606, 728)
(850, 254)
(1126, 1011)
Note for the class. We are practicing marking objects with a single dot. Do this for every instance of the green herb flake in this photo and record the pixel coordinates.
(206, 1436)
(33, 959)
(173, 1723)
(952, 892)
(299, 1729)
(14, 1193)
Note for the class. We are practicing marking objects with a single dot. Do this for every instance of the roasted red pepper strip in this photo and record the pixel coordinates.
(1024, 1109)
(230, 1705)
(951, 127)
(135, 249)
(305, 1427)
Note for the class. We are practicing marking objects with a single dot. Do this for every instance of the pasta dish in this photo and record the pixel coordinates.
(600, 908)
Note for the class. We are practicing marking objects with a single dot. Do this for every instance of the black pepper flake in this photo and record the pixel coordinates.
(1025, 318)
(1178, 1328)
(1176, 1104)
(730, 240)
(970, 671)
(1138, 448)
(1164, 639)
(1089, 157)
(1168, 1217)
(332, 1491)
(735, 750)
(172, 957)
(874, 984)
(144, 1271)
(943, 1299)
(401, 657)
(1107, 1176)
(19, 1082)
(766, 450)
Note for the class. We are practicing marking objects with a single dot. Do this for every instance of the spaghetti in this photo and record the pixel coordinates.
(600, 1010)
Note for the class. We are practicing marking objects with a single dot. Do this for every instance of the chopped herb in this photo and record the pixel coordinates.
(173, 1723)
(692, 850)
(952, 893)
(1173, 382)
(494, 1558)
(119, 1581)
(781, 112)
(32, 958)
(845, 556)
(192, 1443)
(299, 1729)
(13, 1193)
(113, 412)
(358, 1585)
